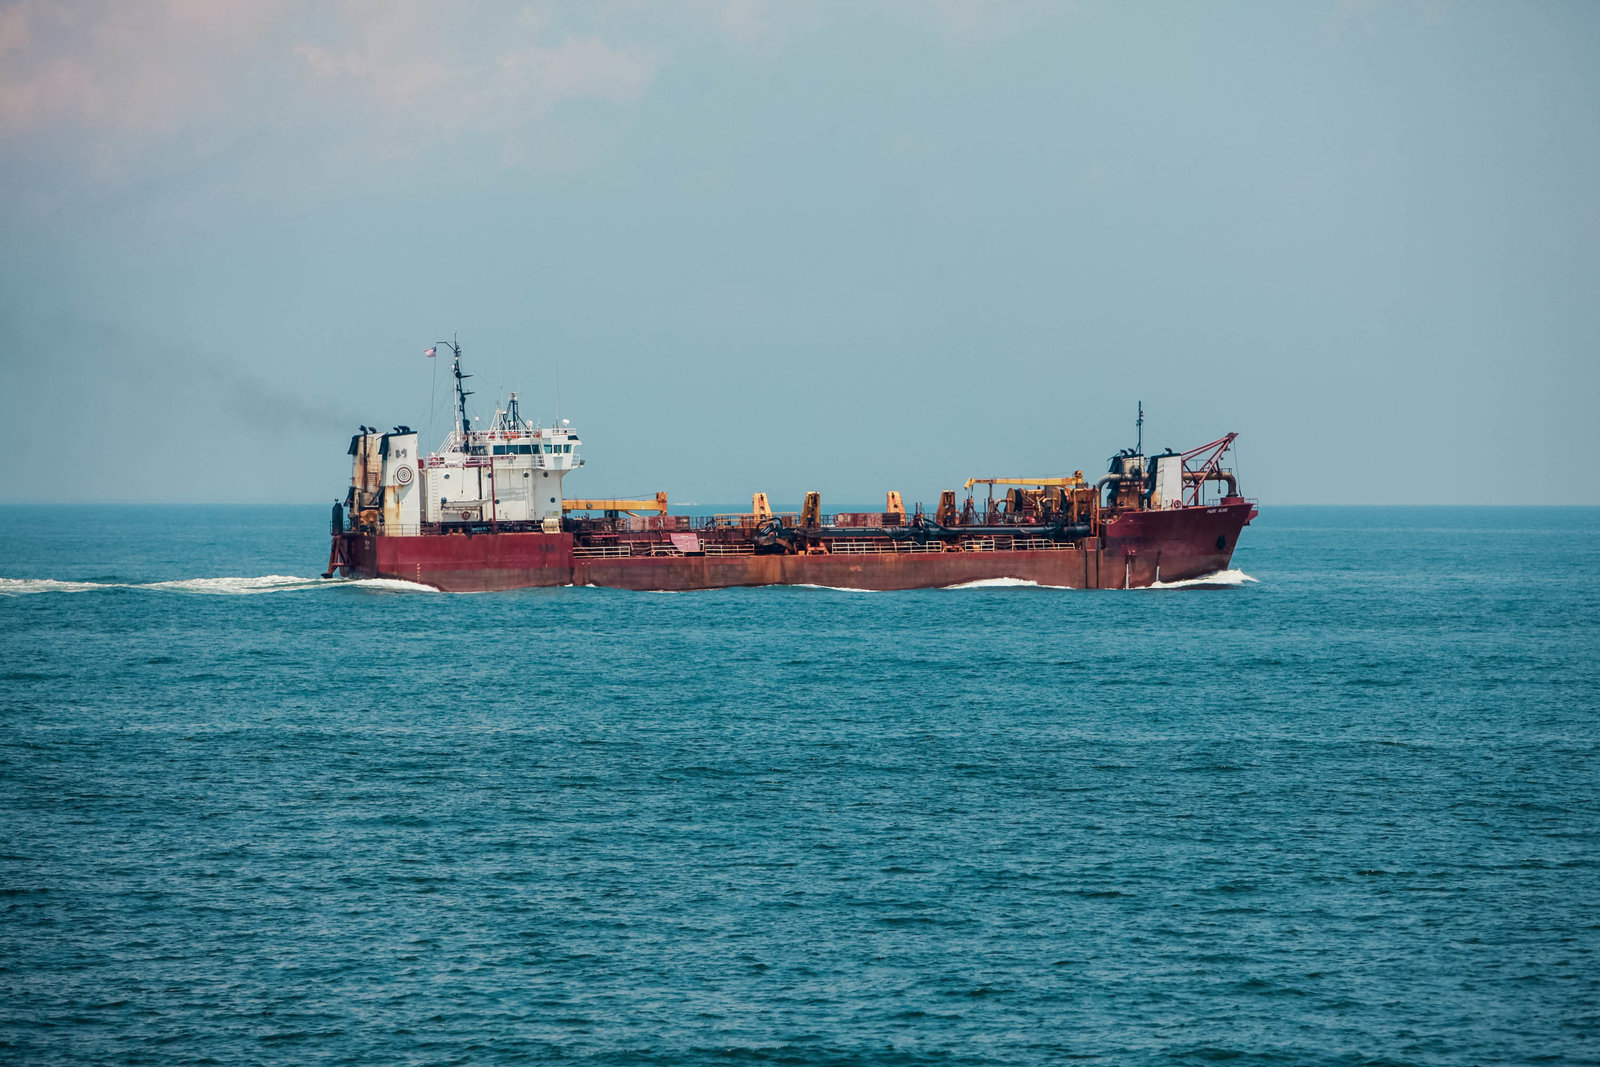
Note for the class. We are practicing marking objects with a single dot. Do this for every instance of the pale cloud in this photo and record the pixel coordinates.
(103, 64)
(14, 29)
(397, 78)
(153, 67)
(977, 22)
(118, 86)
(387, 81)
(578, 67)
(112, 88)
(761, 27)
(61, 90)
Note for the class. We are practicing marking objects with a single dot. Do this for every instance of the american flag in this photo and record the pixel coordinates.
(430, 353)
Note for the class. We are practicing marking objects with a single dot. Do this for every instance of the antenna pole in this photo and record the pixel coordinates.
(461, 394)
(1139, 448)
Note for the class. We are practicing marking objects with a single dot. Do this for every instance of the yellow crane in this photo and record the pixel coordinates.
(811, 510)
(658, 505)
(1074, 482)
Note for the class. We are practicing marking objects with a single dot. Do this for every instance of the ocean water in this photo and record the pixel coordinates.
(1345, 811)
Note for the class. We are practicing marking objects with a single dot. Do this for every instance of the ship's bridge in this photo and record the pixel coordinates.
(547, 447)
(553, 448)
(508, 473)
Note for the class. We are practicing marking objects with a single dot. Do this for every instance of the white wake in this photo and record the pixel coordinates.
(232, 586)
(996, 583)
(1218, 580)
(20, 586)
(266, 583)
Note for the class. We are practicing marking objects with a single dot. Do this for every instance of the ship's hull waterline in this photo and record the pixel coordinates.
(1137, 549)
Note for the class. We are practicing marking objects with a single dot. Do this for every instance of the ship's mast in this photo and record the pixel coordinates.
(461, 393)
(1138, 449)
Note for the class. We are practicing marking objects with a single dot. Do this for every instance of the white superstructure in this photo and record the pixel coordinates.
(509, 473)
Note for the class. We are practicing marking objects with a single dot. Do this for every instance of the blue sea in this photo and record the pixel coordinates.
(1342, 807)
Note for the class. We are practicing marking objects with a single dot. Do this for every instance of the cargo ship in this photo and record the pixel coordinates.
(488, 511)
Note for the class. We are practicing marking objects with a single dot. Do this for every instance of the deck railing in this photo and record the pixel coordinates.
(882, 547)
(734, 548)
(601, 551)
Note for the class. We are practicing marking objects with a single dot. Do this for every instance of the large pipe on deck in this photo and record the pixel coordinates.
(1189, 478)
(1058, 533)
(1112, 479)
(930, 531)
(1194, 477)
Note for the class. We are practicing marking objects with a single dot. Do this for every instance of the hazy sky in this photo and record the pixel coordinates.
(848, 246)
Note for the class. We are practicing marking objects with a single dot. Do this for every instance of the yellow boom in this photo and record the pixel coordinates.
(1074, 482)
(658, 505)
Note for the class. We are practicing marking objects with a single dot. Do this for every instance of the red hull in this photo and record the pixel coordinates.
(1138, 549)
